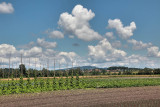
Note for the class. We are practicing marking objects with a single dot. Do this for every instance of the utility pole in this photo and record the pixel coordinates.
(67, 69)
(72, 67)
(54, 68)
(3, 68)
(43, 69)
(9, 64)
(21, 67)
(35, 63)
(59, 65)
(59, 68)
(47, 68)
(1, 65)
(16, 71)
(40, 68)
(29, 68)
(12, 70)
(35, 68)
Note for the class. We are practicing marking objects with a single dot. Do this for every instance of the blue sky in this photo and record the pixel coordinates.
(98, 37)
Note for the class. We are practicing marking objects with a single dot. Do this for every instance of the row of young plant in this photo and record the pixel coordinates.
(121, 82)
(40, 85)
(67, 83)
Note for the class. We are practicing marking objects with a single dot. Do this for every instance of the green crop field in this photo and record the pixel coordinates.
(53, 84)
(121, 82)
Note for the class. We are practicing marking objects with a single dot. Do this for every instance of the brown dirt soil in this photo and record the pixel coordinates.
(112, 97)
(100, 76)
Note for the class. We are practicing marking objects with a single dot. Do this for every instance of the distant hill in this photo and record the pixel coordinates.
(83, 67)
(87, 67)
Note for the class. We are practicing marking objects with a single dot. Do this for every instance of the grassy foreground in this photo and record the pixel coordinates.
(41, 84)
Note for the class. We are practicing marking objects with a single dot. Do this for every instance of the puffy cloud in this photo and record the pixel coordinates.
(68, 55)
(77, 23)
(136, 59)
(49, 53)
(40, 43)
(124, 32)
(41, 56)
(27, 46)
(153, 51)
(45, 44)
(116, 44)
(109, 35)
(56, 34)
(105, 52)
(82, 13)
(138, 45)
(71, 36)
(33, 52)
(6, 49)
(130, 61)
(6, 8)
(140, 61)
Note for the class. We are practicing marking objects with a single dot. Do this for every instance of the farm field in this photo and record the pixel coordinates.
(51, 84)
(96, 76)
(111, 97)
(78, 53)
(81, 91)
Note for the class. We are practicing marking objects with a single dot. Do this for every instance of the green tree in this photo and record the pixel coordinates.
(103, 71)
(156, 71)
(23, 70)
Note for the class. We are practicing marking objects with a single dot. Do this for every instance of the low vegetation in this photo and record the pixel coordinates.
(52, 84)
(74, 79)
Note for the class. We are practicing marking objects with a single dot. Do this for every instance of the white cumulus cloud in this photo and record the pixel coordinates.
(104, 51)
(67, 56)
(153, 51)
(109, 35)
(46, 44)
(138, 45)
(124, 32)
(6, 8)
(116, 44)
(6, 49)
(71, 36)
(77, 23)
(33, 52)
(56, 34)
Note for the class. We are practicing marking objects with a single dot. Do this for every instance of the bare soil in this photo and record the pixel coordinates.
(111, 97)
(97, 76)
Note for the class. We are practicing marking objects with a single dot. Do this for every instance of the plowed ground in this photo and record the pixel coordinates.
(112, 97)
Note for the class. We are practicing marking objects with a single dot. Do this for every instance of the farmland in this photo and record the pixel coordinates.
(110, 97)
(74, 88)
(51, 84)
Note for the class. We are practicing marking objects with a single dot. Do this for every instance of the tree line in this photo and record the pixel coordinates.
(17, 72)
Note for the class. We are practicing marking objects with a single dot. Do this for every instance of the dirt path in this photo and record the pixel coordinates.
(113, 97)
(97, 76)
